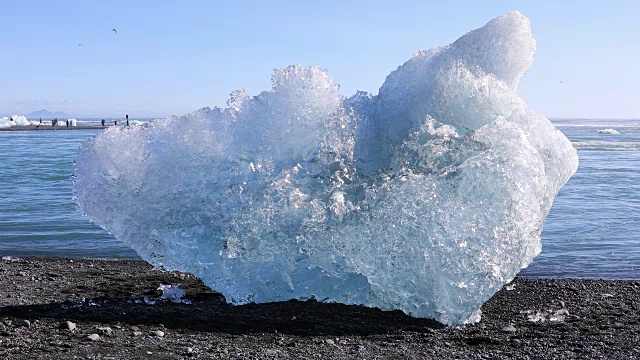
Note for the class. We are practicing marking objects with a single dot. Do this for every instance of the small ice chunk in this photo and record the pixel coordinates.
(547, 315)
(149, 301)
(89, 302)
(608, 132)
(535, 316)
(171, 292)
(559, 315)
(510, 287)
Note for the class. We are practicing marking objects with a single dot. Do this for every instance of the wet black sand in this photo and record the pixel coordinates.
(603, 320)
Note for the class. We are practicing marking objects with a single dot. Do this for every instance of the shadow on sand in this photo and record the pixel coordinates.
(209, 313)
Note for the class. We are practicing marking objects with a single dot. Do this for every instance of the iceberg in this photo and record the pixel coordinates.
(427, 197)
(15, 120)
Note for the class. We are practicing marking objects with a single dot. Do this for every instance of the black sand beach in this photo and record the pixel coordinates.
(106, 297)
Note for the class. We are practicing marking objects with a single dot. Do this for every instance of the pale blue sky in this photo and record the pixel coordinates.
(173, 57)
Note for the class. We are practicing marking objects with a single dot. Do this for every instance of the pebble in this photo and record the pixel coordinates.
(564, 312)
(134, 328)
(67, 325)
(508, 329)
(157, 333)
(105, 330)
(25, 323)
(188, 350)
(330, 342)
(137, 333)
(92, 337)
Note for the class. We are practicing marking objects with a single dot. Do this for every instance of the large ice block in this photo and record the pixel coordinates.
(426, 198)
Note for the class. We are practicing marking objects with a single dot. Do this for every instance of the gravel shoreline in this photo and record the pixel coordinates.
(53, 308)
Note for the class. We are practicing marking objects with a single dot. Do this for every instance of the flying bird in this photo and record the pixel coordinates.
(80, 45)
(115, 31)
(561, 81)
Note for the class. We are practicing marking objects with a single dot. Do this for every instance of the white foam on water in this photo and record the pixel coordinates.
(607, 145)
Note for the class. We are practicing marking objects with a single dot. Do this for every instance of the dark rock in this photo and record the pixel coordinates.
(24, 323)
(508, 329)
(91, 337)
(67, 325)
(105, 330)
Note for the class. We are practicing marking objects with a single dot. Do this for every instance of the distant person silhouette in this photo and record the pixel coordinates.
(115, 122)
(68, 123)
(127, 119)
(102, 122)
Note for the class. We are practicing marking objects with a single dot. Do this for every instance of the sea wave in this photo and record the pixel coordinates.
(606, 145)
(627, 124)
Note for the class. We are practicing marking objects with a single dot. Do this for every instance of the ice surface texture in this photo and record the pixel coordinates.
(425, 198)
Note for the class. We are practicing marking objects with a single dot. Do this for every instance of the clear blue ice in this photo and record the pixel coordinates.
(426, 198)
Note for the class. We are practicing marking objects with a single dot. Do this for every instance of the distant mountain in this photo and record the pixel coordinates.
(45, 114)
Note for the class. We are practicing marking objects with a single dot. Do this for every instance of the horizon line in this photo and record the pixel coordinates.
(146, 117)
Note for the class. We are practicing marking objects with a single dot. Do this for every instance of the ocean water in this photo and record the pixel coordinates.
(37, 213)
(592, 231)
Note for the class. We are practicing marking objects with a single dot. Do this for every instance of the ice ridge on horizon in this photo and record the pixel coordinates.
(426, 198)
